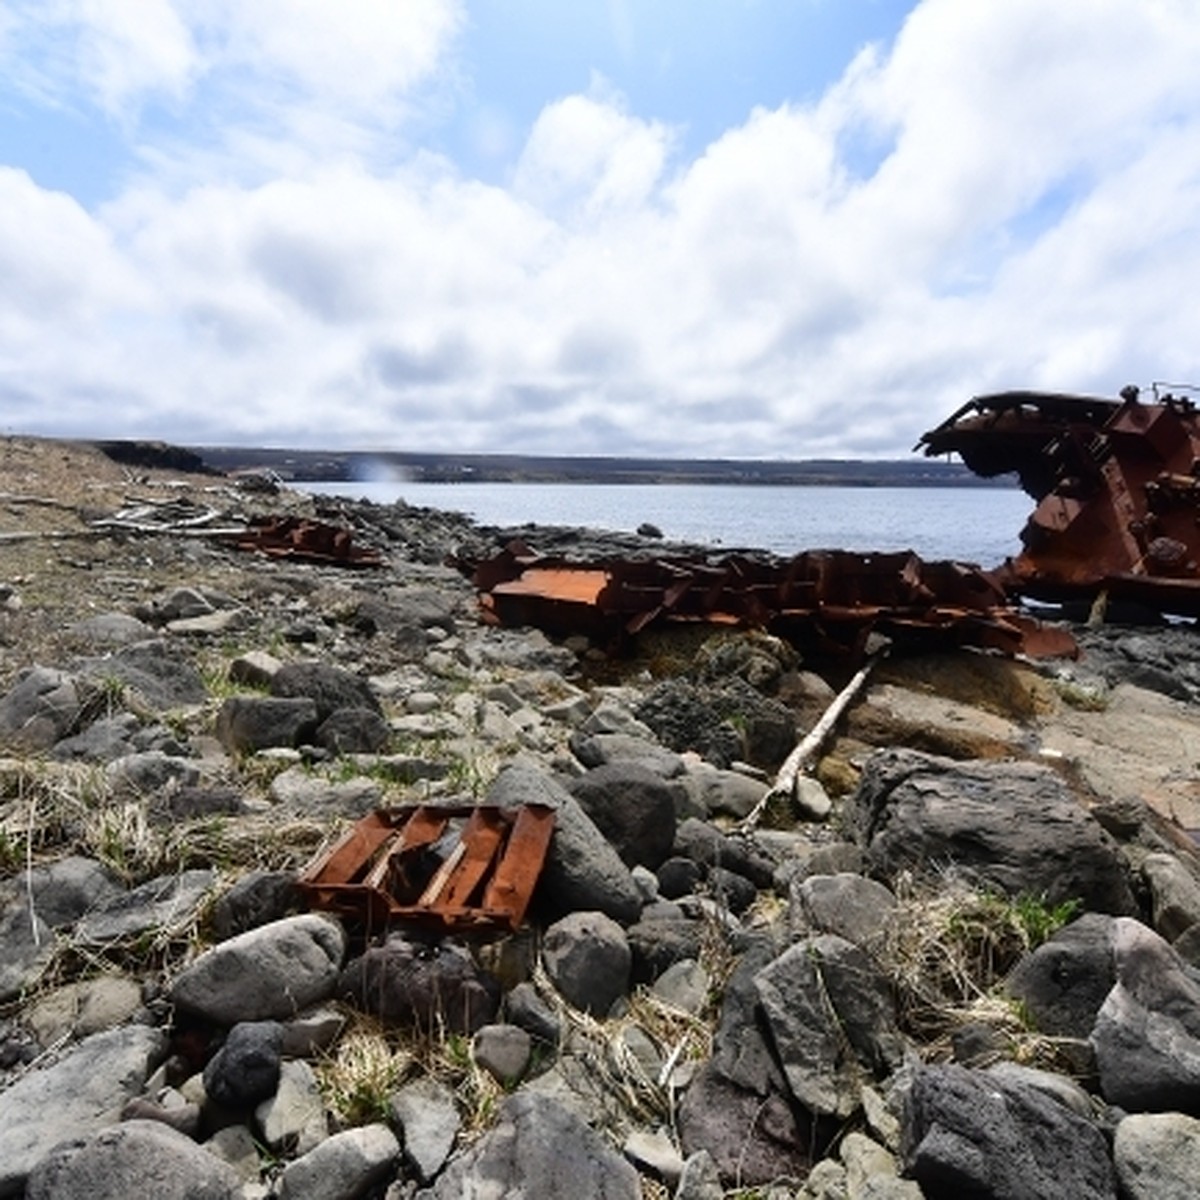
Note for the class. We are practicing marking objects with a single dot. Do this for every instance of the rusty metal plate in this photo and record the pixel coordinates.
(457, 869)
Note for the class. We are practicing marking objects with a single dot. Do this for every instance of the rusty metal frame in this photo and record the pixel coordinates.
(824, 601)
(382, 868)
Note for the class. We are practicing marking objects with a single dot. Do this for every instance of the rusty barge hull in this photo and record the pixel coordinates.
(823, 601)
(1117, 485)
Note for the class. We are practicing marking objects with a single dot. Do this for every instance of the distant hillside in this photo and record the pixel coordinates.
(335, 466)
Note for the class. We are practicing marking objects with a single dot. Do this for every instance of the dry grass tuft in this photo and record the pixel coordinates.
(947, 953)
(359, 1076)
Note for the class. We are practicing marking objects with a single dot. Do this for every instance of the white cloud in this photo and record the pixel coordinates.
(1008, 197)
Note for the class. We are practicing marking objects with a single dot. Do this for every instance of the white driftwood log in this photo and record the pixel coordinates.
(806, 750)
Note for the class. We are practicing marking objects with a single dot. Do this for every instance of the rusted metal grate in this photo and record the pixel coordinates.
(454, 868)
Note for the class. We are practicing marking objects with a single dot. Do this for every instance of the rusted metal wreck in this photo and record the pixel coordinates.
(1117, 485)
(450, 869)
(823, 601)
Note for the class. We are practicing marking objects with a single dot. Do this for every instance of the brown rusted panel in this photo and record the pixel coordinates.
(481, 840)
(386, 867)
(1117, 485)
(527, 846)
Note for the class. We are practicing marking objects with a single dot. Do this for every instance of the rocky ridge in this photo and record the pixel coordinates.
(964, 963)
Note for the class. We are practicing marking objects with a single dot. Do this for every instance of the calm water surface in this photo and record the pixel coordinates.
(979, 525)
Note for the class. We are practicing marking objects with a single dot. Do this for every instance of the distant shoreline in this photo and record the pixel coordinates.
(312, 466)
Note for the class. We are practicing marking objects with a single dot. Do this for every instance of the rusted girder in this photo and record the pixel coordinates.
(822, 600)
(1117, 485)
(455, 869)
(304, 539)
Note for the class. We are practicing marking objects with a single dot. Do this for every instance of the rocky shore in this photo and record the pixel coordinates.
(964, 962)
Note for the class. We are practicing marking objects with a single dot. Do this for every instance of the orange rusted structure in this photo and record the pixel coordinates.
(1117, 485)
(822, 600)
(306, 540)
(455, 869)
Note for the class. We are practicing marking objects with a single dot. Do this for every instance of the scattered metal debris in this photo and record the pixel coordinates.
(1117, 484)
(456, 869)
(305, 539)
(824, 601)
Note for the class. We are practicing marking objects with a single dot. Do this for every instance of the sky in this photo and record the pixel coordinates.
(769, 229)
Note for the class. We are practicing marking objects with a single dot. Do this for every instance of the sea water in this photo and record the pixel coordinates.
(968, 524)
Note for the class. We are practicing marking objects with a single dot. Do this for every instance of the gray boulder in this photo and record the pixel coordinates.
(245, 1070)
(273, 971)
(293, 1120)
(712, 791)
(26, 948)
(65, 890)
(502, 1051)
(1174, 894)
(143, 773)
(344, 1166)
(851, 906)
(170, 902)
(257, 898)
(1010, 826)
(1157, 1156)
(427, 1117)
(633, 807)
(329, 687)
(246, 724)
(354, 731)
(111, 629)
(427, 986)
(751, 1139)
(82, 1008)
(596, 749)
(969, 1133)
(538, 1148)
(656, 944)
(156, 674)
(80, 1094)
(583, 872)
(525, 1008)
(101, 742)
(1063, 983)
(832, 1022)
(1147, 1034)
(707, 845)
(134, 1158)
(586, 956)
(41, 708)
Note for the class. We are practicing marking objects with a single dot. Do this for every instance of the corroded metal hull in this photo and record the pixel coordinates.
(1117, 485)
